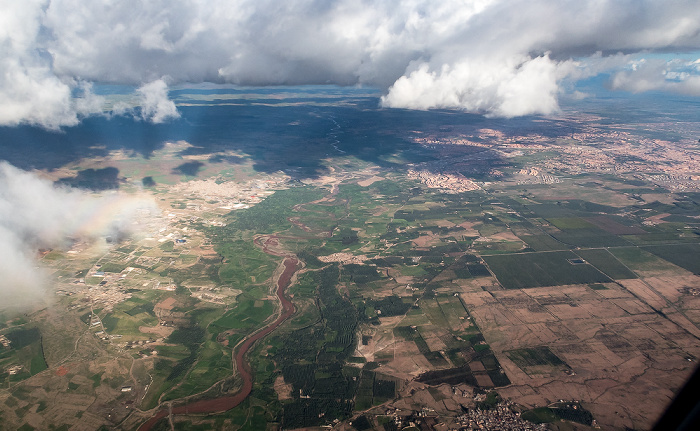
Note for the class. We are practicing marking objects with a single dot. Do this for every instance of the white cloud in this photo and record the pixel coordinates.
(658, 75)
(35, 214)
(29, 90)
(482, 55)
(155, 105)
(504, 88)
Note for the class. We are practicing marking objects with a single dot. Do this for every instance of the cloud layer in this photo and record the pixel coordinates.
(658, 75)
(34, 214)
(497, 57)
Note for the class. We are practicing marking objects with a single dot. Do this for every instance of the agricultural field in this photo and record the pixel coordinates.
(530, 360)
(606, 263)
(683, 255)
(516, 271)
(393, 277)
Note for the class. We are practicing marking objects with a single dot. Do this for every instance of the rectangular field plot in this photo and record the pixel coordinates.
(454, 312)
(638, 259)
(687, 256)
(590, 237)
(543, 243)
(607, 263)
(566, 223)
(613, 226)
(534, 356)
(518, 271)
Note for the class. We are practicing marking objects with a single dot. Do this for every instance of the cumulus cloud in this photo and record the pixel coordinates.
(506, 90)
(30, 91)
(34, 214)
(497, 57)
(155, 104)
(648, 75)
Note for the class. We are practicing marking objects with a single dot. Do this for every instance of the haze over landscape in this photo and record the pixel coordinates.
(466, 214)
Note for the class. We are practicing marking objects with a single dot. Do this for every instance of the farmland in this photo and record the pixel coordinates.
(518, 271)
(435, 274)
(683, 255)
(384, 301)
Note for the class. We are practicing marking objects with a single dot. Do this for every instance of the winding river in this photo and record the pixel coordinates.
(221, 404)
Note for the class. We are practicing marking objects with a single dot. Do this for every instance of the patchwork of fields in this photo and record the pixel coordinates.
(413, 300)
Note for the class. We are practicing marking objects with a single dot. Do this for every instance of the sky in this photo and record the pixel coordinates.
(493, 57)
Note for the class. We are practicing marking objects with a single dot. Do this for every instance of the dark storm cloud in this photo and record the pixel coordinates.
(503, 58)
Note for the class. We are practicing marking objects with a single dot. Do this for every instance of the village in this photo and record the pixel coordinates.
(594, 149)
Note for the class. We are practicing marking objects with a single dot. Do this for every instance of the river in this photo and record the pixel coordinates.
(221, 404)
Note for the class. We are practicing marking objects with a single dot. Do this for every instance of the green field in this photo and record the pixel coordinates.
(271, 214)
(686, 256)
(567, 223)
(213, 364)
(543, 243)
(606, 263)
(590, 237)
(517, 271)
(244, 264)
(121, 323)
(540, 415)
(27, 351)
(247, 315)
(638, 259)
(530, 357)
